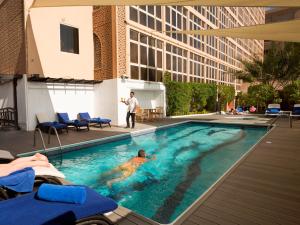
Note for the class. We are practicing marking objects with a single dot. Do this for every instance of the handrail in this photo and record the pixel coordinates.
(41, 135)
(58, 139)
(274, 120)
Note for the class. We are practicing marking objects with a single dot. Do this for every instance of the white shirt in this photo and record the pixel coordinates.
(132, 104)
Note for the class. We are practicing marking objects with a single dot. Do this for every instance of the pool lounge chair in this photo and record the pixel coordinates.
(296, 110)
(273, 110)
(86, 117)
(64, 119)
(29, 210)
(44, 123)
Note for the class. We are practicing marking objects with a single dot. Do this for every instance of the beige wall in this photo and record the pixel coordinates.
(43, 41)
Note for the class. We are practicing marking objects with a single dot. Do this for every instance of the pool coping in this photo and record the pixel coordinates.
(189, 210)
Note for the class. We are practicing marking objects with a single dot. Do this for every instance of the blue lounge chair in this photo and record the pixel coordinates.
(29, 210)
(239, 110)
(44, 123)
(296, 110)
(86, 117)
(273, 110)
(64, 119)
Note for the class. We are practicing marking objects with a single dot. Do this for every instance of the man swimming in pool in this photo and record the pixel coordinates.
(129, 167)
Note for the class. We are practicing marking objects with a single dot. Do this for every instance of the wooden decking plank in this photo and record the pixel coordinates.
(224, 215)
(279, 183)
(240, 194)
(248, 215)
(212, 216)
(264, 189)
(201, 221)
(268, 208)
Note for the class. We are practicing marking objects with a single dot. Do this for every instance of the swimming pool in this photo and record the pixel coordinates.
(190, 157)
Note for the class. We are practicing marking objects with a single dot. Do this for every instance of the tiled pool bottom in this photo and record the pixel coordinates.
(190, 157)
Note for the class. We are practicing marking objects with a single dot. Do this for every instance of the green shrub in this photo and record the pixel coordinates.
(291, 94)
(226, 94)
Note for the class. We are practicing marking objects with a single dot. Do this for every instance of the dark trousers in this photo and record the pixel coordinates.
(132, 115)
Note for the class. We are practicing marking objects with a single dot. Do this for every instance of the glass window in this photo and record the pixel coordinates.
(174, 63)
(134, 35)
(133, 14)
(151, 22)
(173, 18)
(168, 14)
(134, 72)
(151, 57)
(134, 53)
(144, 73)
(159, 76)
(143, 38)
(151, 9)
(158, 25)
(152, 75)
(159, 44)
(152, 41)
(159, 59)
(143, 56)
(69, 39)
(158, 11)
(143, 19)
(168, 59)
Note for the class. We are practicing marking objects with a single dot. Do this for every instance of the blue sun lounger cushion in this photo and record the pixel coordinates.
(62, 193)
(29, 210)
(64, 119)
(296, 109)
(86, 116)
(19, 181)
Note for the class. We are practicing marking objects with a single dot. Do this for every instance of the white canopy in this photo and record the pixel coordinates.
(241, 3)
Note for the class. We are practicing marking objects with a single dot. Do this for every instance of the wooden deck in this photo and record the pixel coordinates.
(264, 188)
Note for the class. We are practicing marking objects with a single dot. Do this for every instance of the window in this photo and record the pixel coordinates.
(69, 39)
(134, 53)
(134, 72)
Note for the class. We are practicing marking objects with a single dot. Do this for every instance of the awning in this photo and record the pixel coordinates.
(288, 31)
(241, 3)
(38, 78)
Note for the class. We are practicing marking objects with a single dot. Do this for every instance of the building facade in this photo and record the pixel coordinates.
(144, 49)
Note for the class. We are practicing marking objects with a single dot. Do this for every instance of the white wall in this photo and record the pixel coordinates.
(52, 98)
(149, 95)
(100, 100)
(43, 41)
(6, 95)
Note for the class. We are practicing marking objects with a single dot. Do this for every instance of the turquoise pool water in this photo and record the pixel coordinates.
(189, 158)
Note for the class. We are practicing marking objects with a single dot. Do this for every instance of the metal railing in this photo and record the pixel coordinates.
(37, 129)
(8, 117)
(58, 139)
(272, 122)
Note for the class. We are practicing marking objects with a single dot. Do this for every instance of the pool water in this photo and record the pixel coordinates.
(190, 157)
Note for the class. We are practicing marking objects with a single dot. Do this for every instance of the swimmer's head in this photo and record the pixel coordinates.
(142, 153)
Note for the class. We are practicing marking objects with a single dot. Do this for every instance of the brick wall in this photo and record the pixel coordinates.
(12, 37)
(121, 40)
(103, 29)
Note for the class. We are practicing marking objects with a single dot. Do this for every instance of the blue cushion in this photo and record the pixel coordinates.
(28, 210)
(63, 117)
(104, 120)
(296, 111)
(62, 193)
(85, 116)
(19, 181)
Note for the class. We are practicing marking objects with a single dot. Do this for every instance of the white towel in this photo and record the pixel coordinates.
(48, 171)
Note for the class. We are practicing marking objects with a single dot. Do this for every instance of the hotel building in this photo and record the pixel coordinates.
(142, 49)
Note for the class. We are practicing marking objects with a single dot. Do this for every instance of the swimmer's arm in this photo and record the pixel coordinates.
(151, 157)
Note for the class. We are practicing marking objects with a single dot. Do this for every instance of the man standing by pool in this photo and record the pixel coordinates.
(132, 103)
